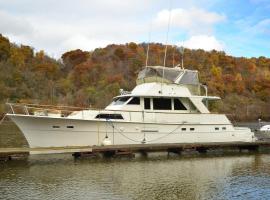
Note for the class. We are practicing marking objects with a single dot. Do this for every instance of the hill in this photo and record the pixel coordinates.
(83, 78)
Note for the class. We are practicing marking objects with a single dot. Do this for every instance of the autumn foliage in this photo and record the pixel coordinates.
(84, 78)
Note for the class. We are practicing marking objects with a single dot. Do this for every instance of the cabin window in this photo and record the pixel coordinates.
(162, 104)
(147, 103)
(134, 101)
(70, 126)
(120, 100)
(216, 128)
(56, 126)
(178, 105)
(183, 129)
(192, 129)
(223, 128)
(109, 116)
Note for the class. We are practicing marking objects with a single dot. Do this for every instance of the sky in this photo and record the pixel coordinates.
(238, 27)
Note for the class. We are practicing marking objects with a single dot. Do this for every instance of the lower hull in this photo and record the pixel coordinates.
(61, 132)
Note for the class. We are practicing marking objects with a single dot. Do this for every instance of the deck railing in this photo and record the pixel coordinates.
(43, 110)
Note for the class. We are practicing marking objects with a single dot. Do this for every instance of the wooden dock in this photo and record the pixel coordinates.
(130, 150)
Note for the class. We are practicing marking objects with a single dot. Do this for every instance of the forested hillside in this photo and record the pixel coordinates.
(82, 78)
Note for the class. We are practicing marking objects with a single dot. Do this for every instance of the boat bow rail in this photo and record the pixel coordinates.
(43, 110)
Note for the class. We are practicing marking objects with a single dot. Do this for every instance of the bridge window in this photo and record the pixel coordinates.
(178, 105)
(109, 116)
(162, 104)
(134, 101)
(120, 100)
(147, 103)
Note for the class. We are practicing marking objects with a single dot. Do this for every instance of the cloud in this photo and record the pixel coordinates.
(91, 24)
(14, 25)
(262, 27)
(193, 20)
(205, 42)
(83, 42)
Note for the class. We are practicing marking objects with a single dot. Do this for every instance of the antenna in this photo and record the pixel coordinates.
(166, 47)
(181, 50)
(174, 47)
(148, 46)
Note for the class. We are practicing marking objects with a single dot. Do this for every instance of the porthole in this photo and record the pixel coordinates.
(216, 128)
(56, 126)
(183, 129)
(192, 129)
(70, 126)
(223, 128)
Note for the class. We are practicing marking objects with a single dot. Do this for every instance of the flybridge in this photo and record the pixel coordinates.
(175, 75)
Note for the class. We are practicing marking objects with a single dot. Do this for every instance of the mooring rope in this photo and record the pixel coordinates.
(2, 120)
(121, 133)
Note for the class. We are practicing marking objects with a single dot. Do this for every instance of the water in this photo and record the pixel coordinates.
(237, 176)
(208, 177)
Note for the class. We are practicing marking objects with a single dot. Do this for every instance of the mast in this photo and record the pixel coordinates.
(148, 46)
(181, 50)
(166, 47)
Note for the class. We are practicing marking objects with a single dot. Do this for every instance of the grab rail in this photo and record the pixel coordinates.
(43, 110)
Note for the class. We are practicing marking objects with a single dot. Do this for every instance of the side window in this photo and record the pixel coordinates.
(147, 103)
(162, 104)
(178, 105)
(134, 101)
(109, 116)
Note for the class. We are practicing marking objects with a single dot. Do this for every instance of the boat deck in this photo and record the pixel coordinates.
(118, 150)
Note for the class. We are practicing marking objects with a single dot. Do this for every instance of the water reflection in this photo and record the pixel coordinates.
(208, 177)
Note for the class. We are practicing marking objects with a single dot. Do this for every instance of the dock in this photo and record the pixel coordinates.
(130, 150)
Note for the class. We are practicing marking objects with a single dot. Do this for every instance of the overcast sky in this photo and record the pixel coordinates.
(239, 27)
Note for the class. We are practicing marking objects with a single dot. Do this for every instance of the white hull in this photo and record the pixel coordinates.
(60, 132)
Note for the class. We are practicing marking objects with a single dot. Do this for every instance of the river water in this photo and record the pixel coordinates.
(220, 176)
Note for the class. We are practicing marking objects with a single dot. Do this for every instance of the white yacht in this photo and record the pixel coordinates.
(168, 105)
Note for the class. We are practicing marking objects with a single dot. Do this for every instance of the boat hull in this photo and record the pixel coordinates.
(61, 132)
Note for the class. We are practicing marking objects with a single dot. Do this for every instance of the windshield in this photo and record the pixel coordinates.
(120, 101)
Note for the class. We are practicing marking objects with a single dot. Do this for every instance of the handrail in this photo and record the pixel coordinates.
(28, 110)
(46, 105)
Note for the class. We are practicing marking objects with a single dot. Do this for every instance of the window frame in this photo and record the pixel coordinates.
(109, 116)
(116, 99)
(170, 104)
(173, 101)
(144, 102)
(128, 103)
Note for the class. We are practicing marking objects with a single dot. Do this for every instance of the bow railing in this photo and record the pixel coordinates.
(43, 110)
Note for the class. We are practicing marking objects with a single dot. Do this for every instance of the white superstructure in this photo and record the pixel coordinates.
(167, 108)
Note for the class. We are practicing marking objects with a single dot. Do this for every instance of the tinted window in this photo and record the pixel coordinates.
(109, 116)
(178, 105)
(120, 100)
(146, 103)
(135, 101)
(162, 104)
